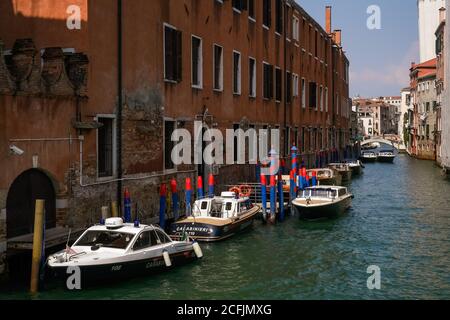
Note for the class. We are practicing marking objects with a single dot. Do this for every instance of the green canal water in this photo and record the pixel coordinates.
(400, 221)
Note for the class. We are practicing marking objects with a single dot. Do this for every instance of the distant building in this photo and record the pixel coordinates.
(377, 117)
(403, 123)
(445, 107)
(440, 83)
(423, 117)
(428, 23)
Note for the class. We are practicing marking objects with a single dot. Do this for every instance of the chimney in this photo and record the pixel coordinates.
(328, 19)
(441, 14)
(338, 37)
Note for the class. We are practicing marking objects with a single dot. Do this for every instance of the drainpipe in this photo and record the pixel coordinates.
(120, 102)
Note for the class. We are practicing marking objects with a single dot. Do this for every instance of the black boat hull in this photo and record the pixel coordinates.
(206, 232)
(323, 212)
(386, 159)
(107, 273)
(368, 160)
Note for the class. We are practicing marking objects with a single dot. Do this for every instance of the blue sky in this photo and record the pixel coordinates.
(380, 59)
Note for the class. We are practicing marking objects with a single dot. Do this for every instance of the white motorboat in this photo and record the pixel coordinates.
(218, 218)
(386, 156)
(322, 202)
(343, 169)
(369, 156)
(356, 166)
(119, 250)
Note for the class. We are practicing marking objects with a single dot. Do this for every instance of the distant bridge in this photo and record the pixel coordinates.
(391, 142)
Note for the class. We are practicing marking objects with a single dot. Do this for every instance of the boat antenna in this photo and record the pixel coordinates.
(67, 243)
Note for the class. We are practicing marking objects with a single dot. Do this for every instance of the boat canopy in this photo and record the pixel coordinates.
(221, 207)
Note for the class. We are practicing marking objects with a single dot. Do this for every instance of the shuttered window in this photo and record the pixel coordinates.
(172, 54)
(267, 13)
(268, 81)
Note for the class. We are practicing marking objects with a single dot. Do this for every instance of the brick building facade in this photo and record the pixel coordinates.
(93, 108)
(423, 115)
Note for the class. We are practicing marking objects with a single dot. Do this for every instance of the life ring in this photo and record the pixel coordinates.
(246, 190)
(236, 190)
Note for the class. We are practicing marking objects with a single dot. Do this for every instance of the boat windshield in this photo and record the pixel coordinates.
(105, 239)
(319, 193)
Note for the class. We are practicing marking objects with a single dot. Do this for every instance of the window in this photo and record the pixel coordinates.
(251, 9)
(313, 95)
(303, 93)
(326, 99)
(105, 147)
(218, 68)
(288, 87)
(303, 140)
(197, 62)
(169, 127)
(239, 5)
(236, 127)
(267, 13)
(236, 72)
(145, 240)
(279, 16)
(172, 54)
(161, 237)
(268, 81)
(252, 77)
(278, 85)
(295, 28)
(321, 97)
(295, 85)
(107, 239)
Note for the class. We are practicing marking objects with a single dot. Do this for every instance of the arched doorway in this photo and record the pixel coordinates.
(20, 204)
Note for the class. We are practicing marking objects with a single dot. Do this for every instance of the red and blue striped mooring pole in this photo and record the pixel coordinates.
(314, 179)
(211, 185)
(162, 206)
(127, 206)
(175, 202)
(307, 181)
(200, 193)
(264, 196)
(188, 193)
(281, 195)
(304, 178)
(273, 196)
(292, 185)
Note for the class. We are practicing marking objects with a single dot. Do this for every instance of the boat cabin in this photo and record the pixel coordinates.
(324, 192)
(118, 235)
(227, 206)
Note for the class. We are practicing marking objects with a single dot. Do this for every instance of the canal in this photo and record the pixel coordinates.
(400, 221)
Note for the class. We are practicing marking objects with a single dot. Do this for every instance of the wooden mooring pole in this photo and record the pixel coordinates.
(37, 245)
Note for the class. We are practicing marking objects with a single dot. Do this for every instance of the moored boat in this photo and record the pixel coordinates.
(326, 176)
(218, 218)
(356, 166)
(322, 202)
(118, 250)
(343, 169)
(386, 156)
(369, 156)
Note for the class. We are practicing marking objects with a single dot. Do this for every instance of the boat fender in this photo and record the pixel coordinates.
(167, 260)
(197, 250)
